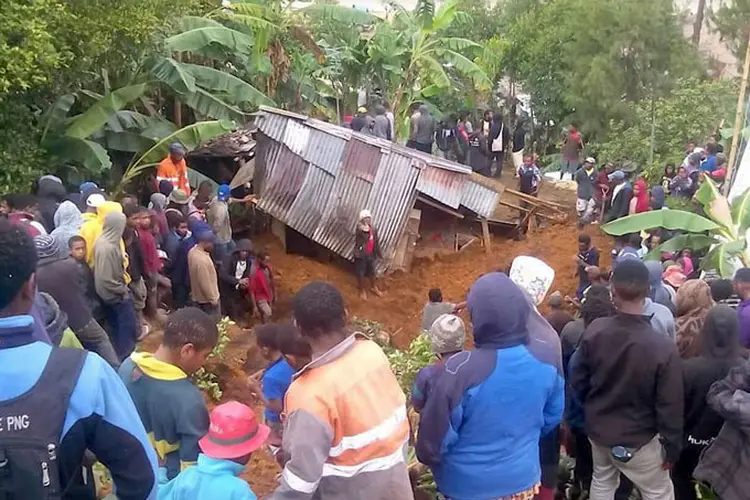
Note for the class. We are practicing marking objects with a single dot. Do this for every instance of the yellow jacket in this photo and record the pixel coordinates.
(92, 228)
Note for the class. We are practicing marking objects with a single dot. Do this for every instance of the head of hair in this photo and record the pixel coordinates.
(435, 295)
(597, 304)
(318, 309)
(721, 289)
(75, 239)
(290, 341)
(190, 325)
(267, 335)
(174, 219)
(584, 238)
(18, 260)
(20, 201)
(634, 240)
(630, 280)
(261, 256)
(555, 300)
(742, 275)
(463, 114)
(131, 210)
(711, 148)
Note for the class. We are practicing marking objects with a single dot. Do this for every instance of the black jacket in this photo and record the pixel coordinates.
(360, 241)
(629, 379)
(61, 279)
(620, 205)
(228, 268)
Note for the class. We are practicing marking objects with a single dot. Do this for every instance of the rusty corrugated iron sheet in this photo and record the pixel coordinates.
(325, 151)
(445, 186)
(273, 125)
(479, 199)
(283, 183)
(307, 210)
(361, 159)
(348, 197)
(267, 152)
(392, 197)
(296, 136)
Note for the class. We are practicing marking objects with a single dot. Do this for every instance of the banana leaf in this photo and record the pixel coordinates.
(724, 258)
(715, 204)
(741, 212)
(97, 115)
(55, 116)
(692, 241)
(188, 23)
(91, 155)
(236, 89)
(126, 119)
(172, 73)
(127, 141)
(197, 39)
(211, 106)
(468, 67)
(190, 137)
(668, 219)
(339, 13)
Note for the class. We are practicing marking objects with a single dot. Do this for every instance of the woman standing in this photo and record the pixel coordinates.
(639, 202)
(366, 253)
(693, 303)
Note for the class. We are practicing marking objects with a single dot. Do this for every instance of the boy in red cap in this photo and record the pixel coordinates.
(234, 434)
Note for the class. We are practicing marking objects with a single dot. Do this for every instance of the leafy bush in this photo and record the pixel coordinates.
(205, 379)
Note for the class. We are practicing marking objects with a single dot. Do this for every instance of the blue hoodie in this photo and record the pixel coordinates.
(211, 479)
(480, 428)
(101, 416)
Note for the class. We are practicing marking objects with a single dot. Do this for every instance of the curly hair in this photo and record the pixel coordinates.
(190, 325)
(596, 304)
(318, 308)
(18, 260)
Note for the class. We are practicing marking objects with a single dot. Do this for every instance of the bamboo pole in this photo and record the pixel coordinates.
(738, 119)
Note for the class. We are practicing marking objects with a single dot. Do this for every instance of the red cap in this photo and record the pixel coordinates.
(234, 432)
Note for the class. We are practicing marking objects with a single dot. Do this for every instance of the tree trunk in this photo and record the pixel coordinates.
(698, 23)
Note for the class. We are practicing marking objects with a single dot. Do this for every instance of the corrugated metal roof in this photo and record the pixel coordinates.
(296, 136)
(445, 186)
(348, 197)
(392, 198)
(307, 210)
(479, 199)
(273, 125)
(361, 159)
(283, 183)
(325, 151)
(267, 152)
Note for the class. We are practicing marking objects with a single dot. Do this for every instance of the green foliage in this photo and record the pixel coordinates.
(731, 21)
(406, 364)
(692, 110)
(207, 381)
(21, 157)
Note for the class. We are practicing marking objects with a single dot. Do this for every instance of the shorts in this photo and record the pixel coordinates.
(585, 208)
(264, 307)
(139, 291)
(365, 267)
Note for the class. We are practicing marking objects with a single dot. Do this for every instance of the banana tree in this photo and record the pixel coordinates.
(723, 230)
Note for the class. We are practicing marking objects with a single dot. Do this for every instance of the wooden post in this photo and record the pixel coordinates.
(486, 235)
(738, 119)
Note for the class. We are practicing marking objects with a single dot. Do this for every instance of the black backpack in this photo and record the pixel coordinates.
(30, 429)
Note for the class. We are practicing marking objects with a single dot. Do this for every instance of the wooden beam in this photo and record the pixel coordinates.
(440, 207)
(486, 235)
(538, 214)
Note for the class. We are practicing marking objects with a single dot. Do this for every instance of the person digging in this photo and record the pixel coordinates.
(366, 253)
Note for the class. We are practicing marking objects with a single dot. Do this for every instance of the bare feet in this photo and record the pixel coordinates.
(363, 295)
(377, 292)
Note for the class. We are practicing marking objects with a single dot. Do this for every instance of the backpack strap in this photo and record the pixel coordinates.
(60, 376)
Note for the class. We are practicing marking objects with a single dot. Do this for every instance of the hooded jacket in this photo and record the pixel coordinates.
(660, 317)
(657, 290)
(381, 127)
(61, 279)
(480, 428)
(109, 267)
(68, 222)
(92, 228)
(50, 193)
(210, 478)
(425, 126)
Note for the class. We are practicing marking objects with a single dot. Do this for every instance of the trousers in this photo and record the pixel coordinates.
(644, 470)
(94, 338)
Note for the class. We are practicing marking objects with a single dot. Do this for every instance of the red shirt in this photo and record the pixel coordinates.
(260, 286)
(370, 245)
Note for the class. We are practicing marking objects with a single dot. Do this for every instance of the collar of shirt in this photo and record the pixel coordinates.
(333, 353)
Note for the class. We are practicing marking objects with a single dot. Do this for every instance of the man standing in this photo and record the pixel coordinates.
(622, 192)
(499, 138)
(629, 379)
(262, 290)
(217, 215)
(174, 169)
(346, 425)
(571, 152)
(359, 122)
(519, 143)
(381, 127)
(423, 130)
(742, 286)
(204, 284)
(585, 179)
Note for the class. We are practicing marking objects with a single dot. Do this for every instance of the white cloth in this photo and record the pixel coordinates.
(532, 275)
(517, 159)
(239, 271)
(497, 144)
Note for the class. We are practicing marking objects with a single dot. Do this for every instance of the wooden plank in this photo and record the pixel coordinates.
(486, 235)
(522, 209)
(440, 207)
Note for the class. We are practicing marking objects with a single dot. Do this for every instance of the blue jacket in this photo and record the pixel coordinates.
(211, 479)
(480, 427)
(101, 416)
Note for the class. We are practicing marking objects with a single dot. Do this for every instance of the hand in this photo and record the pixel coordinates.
(244, 283)
(255, 387)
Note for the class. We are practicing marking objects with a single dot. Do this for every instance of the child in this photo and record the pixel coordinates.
(669, 174)
(171, 407)
(234, 434)
(447, 337)
(276, 377)
(295, 349)
(262, 289)
(435, 308)
(136, 264)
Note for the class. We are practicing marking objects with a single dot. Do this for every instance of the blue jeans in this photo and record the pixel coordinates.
(124, 327)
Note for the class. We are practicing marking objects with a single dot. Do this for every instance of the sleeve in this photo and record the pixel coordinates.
(225, 272)
(580, 373)
(417, 397)
(594, 258)
(197, 269)
(670, 405)
(108, 277)
(191, 426)
(116, 435)
(555, 405)
(307, 441)
(273, 388)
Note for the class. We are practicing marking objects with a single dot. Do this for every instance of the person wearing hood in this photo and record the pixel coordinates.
(157, 205)
(499, 142)
(109, 272)
(68, 222)
(657, 198)
(480, 428)
(629, 380)
(381, 126)
(622, 192)
(719, 351)
(55, 322)
(50, 193)
(422, 131)
(93, 224)
(657, 289)
(234, 276)
(217, 215)
(366, 254)
(60, 278)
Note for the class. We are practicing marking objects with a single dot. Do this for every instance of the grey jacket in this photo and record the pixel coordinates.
(424, 126)
(109, 271)
(661, 318)
(381, 127)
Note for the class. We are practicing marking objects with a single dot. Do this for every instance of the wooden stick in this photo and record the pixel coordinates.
(538, 214)
(486, 235)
